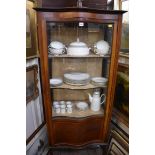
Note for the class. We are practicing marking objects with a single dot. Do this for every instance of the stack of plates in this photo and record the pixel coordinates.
(76, 78)
(99, 81)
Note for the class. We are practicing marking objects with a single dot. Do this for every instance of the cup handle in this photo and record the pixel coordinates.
(49, 46)
(96, 51)
(89, 48)
(64, 50)
(104, 98)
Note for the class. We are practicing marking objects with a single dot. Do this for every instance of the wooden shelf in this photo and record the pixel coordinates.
(87, 56)
(78, 114)
(67, 86)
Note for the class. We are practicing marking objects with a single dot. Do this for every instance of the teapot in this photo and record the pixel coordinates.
(95, 100)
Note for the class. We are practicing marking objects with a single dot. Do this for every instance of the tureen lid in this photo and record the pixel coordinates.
(78, 43)
(56, 44)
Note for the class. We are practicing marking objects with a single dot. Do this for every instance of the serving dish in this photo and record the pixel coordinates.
(101, 47)
(99, 81)
(78, 48)
(82, 106)
(56, 82)
(56, 48)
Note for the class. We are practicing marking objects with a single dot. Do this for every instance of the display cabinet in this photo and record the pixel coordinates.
(79, 50)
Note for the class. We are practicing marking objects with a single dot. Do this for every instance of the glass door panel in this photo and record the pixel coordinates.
(95, 37)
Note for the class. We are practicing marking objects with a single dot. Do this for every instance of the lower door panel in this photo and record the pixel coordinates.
(77, 132)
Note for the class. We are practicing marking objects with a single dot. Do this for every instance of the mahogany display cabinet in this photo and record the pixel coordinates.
(79, 128)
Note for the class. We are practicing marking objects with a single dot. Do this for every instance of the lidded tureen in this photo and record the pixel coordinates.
(101, 47)
(78, 48)
(56, 48)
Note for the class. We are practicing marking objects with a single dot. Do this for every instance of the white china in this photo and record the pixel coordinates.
(101, 47)
(57, 108)
(56, 44)
(76, 78)
(56, 82)
(95, 101)
(68, 103)
(99, 81)
(55, 103)
(56, 48)
(78, 48)
(82, 105)
(62, 102)
(69, 108)
(63, 108)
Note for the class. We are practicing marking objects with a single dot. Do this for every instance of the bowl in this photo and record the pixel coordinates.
(56, 82)
(82, 106)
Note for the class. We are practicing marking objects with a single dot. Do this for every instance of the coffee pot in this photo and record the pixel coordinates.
(95, 100)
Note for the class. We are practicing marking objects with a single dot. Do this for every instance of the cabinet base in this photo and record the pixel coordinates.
(96, 149)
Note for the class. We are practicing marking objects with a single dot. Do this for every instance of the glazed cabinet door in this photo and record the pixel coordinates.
(78, 56)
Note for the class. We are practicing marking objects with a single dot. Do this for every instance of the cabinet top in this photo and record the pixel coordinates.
(76, 9)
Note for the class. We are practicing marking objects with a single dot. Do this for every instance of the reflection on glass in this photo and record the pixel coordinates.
(89, 33)
(30, 83)
(28, 30)
(125, 28)
(122, 93)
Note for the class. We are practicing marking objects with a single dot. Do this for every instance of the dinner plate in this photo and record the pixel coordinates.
(56, 82)
(76, 78)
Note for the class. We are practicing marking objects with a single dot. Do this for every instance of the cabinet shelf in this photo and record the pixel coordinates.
(91, 55)
(78, 114)
(67, 86)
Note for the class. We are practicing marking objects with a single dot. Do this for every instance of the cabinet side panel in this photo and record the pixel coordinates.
(44, 72)
(112, 76)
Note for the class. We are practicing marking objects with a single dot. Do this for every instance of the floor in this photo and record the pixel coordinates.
(86, 151)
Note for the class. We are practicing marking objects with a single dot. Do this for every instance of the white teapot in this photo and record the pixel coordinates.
(95, 100)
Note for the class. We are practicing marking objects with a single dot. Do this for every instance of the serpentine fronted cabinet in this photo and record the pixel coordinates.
(80, 128)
